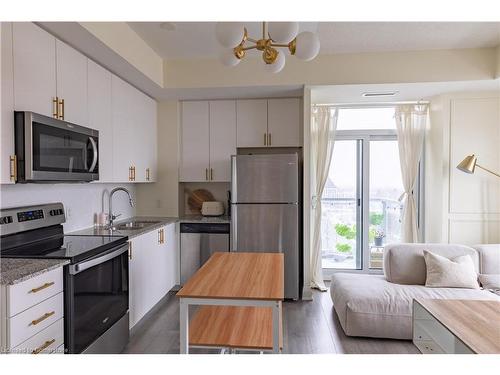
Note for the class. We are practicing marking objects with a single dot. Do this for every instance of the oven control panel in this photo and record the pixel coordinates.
(29, 215)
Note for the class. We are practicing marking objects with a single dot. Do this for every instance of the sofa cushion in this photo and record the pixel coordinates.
(442, 272)
(369, 305)
(404, 263)
(490, 281)
(489, 258)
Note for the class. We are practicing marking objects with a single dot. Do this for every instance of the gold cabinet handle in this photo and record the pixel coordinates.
(13, 168)
(211, 173)
(130, 250)
(269, 141)
(55, 107)
(265, 139)
(133, 171)
(42, 318)
(45, 345)
(61, 113)
(163, 236)
(159, 236)
(44, 286)
(147, 174)
(206, 174)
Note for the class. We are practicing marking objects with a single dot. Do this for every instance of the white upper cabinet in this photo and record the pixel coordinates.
(145, 125)
(7, 168)
(222, 138)
(122, 118)
(194, 163)
(283, 125)
(71, 84)
(251, 120)
(34, 53)
(99, 113)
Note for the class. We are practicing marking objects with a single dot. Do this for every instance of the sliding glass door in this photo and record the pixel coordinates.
(340, 237)
(361, 200)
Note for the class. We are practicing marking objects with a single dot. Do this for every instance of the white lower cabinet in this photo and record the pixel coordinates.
(32, 315)
(153, 269)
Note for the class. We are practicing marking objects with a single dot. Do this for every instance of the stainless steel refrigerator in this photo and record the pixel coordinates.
(265, 209)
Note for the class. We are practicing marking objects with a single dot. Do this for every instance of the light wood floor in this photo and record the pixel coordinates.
(309, 327)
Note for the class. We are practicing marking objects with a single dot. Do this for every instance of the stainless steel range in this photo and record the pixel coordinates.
(96, 282)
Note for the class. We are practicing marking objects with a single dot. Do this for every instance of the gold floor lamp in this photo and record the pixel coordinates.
(469, 164)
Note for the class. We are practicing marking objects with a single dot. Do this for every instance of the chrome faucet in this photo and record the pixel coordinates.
(111, 217)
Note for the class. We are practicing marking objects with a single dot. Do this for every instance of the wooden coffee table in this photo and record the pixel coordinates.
(456, 326)
(240, 296)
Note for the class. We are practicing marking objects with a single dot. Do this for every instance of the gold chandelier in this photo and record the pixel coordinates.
(234, 35)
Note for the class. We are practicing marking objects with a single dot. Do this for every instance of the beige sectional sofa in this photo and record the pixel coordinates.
(381, 305)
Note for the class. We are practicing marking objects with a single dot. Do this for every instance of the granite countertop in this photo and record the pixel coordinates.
(205, 219)
(14, 271)
(161, 221)
(97, 231)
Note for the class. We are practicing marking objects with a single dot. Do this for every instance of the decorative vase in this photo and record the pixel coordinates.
(378, 241)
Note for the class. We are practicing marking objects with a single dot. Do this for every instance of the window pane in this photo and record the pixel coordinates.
(386, 187)
(339, 209)
(362, 118)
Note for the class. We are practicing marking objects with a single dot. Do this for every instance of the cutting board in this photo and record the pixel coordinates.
(196, 199)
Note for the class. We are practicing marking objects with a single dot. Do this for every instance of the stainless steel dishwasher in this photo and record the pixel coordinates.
(198, 242)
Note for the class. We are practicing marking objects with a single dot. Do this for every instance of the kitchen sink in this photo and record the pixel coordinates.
(135, 225)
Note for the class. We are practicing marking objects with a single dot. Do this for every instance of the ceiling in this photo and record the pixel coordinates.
(348, 94)
(197, 39)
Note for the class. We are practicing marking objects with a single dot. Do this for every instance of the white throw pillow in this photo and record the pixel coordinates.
(450, 273)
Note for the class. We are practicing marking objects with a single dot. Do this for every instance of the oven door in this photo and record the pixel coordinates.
(57, 150)
(97, 297)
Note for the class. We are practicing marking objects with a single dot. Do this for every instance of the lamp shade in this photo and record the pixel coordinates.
(278, 64)
(228, 58)
(468, 165)
(283, 32)
(307, 47)
(229, 34)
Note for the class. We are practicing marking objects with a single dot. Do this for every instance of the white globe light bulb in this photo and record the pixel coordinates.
(228, 58)
(283, 32)
(307, 46)
(229, 34)
(278, 64)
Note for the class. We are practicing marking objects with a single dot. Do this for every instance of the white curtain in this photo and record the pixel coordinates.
(411, 121)
(323, 126)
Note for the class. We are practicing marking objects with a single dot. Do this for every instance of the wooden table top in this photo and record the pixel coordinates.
(258, 276)
(233, 327)
(475, 323)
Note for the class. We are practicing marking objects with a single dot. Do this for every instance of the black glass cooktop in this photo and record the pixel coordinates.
(73, 248)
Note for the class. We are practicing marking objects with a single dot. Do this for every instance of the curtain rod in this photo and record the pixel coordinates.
(372, 104)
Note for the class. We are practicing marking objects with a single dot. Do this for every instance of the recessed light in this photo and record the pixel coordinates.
(169, 26)
(379, 93)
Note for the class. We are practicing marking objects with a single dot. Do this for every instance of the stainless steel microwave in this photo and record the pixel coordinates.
(52, 150)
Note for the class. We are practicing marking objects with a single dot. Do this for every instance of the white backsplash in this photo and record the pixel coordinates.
(81, 200)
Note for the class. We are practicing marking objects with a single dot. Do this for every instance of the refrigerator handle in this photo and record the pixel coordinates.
(234, 232)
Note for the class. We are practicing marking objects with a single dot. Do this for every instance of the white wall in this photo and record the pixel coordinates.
(81, 201)
(460, 207)
(162, 197)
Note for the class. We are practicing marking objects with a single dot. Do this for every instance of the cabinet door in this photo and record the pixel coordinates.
(99, 104)
(124, 142)
(72, 83)
(284, 122)
(145, 126)
(222, 138)
(7, 104)
(34, 68)
(195, 151)
(251, 120)
(142, 275)
(160, 266)
(171, 244)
